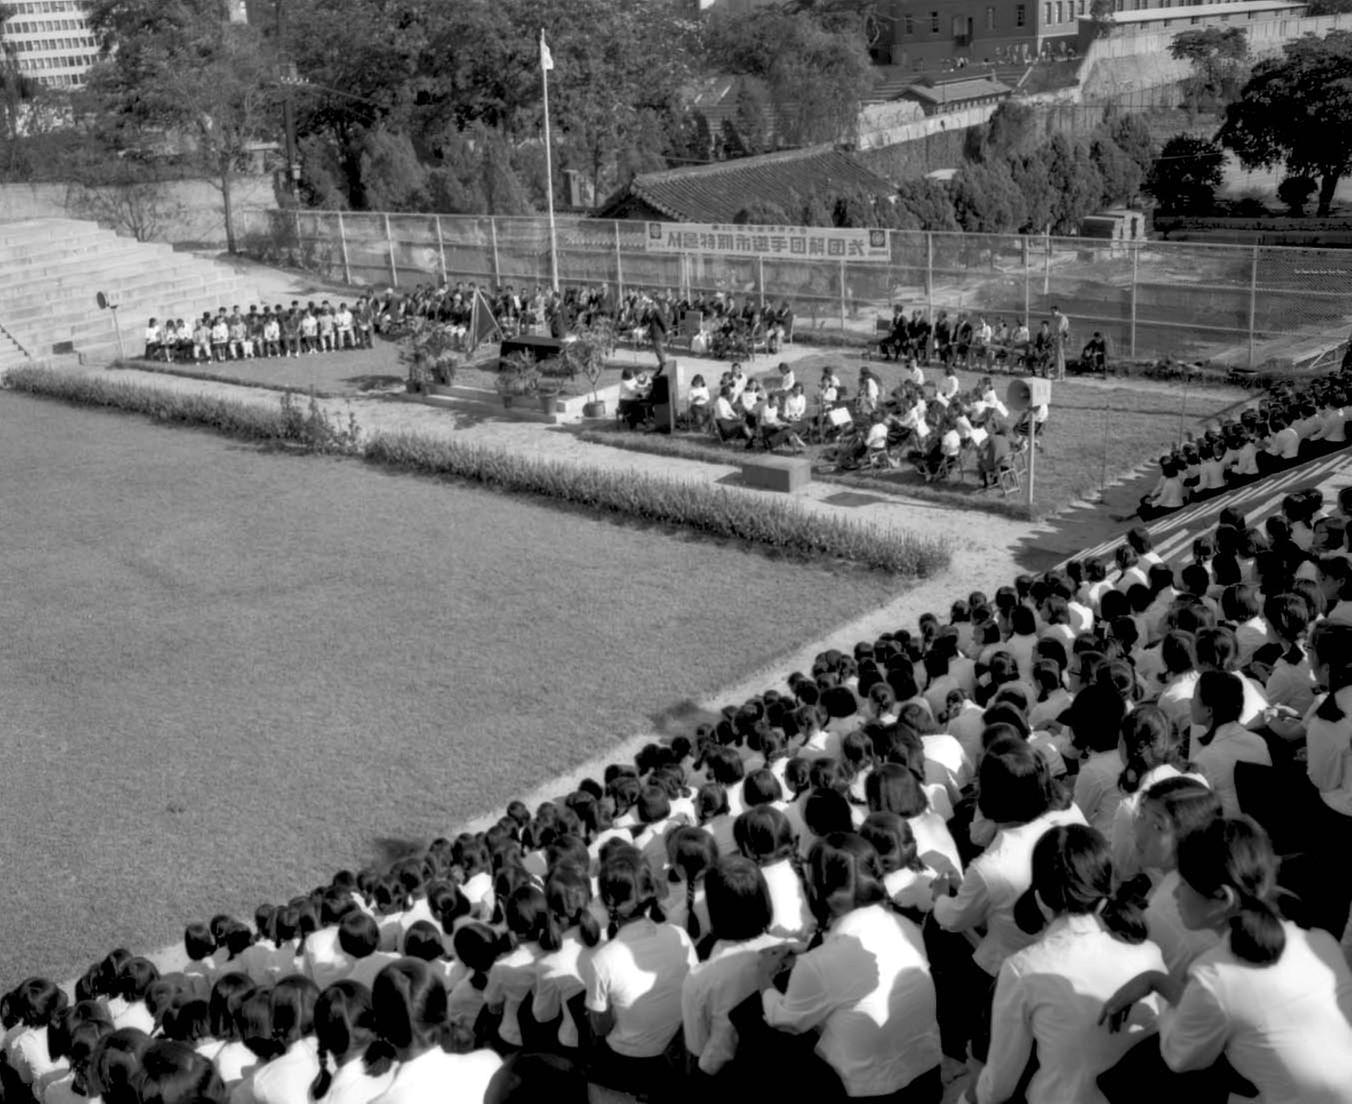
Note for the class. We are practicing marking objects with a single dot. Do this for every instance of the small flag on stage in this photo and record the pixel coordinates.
(546, 58)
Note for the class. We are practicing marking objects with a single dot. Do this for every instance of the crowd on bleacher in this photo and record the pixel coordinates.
(1288, 426)
(1084, 839)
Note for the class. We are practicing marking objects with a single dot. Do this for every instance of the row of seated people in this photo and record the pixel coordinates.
(1289, 426)
(1020, 845)
(969, 341)
(255, 333)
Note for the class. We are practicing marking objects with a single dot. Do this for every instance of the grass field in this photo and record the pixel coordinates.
(1097, 430)
(226, 672)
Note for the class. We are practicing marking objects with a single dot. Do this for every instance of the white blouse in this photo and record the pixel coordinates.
(1286, 1026)
(1049, 996)
(868, 989)
(711, 991)
(637, 976)
(436, 1077)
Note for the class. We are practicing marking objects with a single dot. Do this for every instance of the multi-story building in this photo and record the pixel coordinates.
(923, 33)
(49, 40)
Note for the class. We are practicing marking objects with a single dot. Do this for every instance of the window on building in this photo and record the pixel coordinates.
(934, 22)
(990, 19)
(1020, 15)
(909, 26)
(1047, 12)
(1060, 13)
(1081, 7)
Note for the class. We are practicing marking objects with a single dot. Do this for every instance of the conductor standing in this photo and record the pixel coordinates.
(657, 330)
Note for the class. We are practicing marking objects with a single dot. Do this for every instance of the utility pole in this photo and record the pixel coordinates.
(288, 108)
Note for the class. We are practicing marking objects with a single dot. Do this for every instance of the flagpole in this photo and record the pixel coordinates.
(549, 171)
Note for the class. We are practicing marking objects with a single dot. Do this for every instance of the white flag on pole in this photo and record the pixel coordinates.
(546, 58)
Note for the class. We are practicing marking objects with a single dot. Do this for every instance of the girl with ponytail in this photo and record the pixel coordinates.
(413, 1036)
(286, 1076)
(1048, 995)
(905, 876)
(866, 986)
(764, 836)
(1273, 999)
(1328, 734)
(739, 913)
(512, 977)
(572, 935)
(344, 1028)
(634, 985)
(1151, 749)
(691, 853)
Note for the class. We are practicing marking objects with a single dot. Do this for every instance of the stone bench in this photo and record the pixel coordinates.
(777, 473)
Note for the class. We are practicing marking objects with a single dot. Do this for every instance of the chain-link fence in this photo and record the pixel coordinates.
(1243, 305)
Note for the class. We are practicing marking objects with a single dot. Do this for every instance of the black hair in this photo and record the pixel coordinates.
(1150, 741)
(738, 899)
(477, 946)
(198, 941)
(409, 1003)
(1223, 694)
(227, 994)
(189, 1022)
(174, 1073)
(892, 788)
(893, 839)
(691, 853)
(423, 940)
(628, 888)
(358, 935)
(568, 896)
(345, 1024)
(292, 1009)
(1073, 875)
(1235, 856)
(1331, 643)
(1014, 783)
(114, 1065)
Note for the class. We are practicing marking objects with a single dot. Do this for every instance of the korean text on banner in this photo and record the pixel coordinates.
(791, 242)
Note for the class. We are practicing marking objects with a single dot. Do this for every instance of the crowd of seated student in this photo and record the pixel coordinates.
(1018, 842)
(748, 412)
(273, 331)
(1290, 425)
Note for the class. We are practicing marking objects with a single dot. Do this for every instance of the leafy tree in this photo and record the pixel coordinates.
(816, 74)
(1186, 174)
(1297, 109)
(1295, 192)
(1120, 174)
(925, 205)
(1032, 177)
(749, 117)
(1130, 134)
(182, 70)
(1219, 58)
(761, 213)
(1077, 187)
(986, 200)
(1328, 7)
(1101, 17)
(1011, 131)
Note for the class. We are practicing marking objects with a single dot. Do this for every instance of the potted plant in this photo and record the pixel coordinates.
(517, 377)
(586, 355)
(554, 372)
(429, 351)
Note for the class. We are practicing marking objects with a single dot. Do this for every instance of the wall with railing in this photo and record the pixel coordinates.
(1243, 305)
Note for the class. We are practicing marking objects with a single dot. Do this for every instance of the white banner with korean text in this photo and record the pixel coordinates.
(788, 242)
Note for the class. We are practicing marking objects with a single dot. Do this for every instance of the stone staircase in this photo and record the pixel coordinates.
(51, 270)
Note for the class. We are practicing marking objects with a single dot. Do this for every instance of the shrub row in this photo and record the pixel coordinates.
(712, 511)
(778, 526)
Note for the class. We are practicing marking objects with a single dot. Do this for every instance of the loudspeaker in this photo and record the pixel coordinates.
(1028, 391)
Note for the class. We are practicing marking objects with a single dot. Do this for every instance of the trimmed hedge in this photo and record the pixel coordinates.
(712, 511)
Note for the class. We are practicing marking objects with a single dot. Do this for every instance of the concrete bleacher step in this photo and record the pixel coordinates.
(95, 266)
(42, 302)
(41, 250)
(52, 231)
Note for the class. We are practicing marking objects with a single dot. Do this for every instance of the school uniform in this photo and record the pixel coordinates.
(365, 970)
(1096, 791)
(323, 960)
(234, 1061)
(910, 889)
(351, 1084)
(284, 1080)
(62, 1091)
(1286, 1026)
(558, 980)
(791, 916)
(136, 1015)
(1048, 999)
(946, 763)
(966, 727)
(511, 979)
(1232, 743)
(435, 1077)
(867, 987)
(638, 977)
(1122, 837)
(1179, 944)
(1329, 763)
(711, 991)
(993, 882)
(28, 1055)
(1056, 703)
(1291, 684)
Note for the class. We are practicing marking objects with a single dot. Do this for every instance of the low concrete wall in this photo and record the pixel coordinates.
(179, 211)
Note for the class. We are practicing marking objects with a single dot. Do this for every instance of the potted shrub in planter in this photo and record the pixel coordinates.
(554, 373)
(428, 349)
(587, 356)
(518, 376)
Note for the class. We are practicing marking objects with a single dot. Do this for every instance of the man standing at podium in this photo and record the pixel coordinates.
(656, 323)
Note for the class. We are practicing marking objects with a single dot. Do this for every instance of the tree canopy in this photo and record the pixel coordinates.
(1186, 174)
(1296, 110)
(1219, 57)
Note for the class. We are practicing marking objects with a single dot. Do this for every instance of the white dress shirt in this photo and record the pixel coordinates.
(1179, 944)
(791, 917)
(1049, 996)
(351, 1084)
(284, 1080)
(712, 989)
(435, 1077)
(867, 987)
(559, 979)
(1329, 744)
(1233, 743)
(638, 977)
(511, 979)
(993, 882)
(1096, 790)
(1286, 1026)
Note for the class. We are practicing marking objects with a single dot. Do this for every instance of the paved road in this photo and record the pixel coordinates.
(1174, 533)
